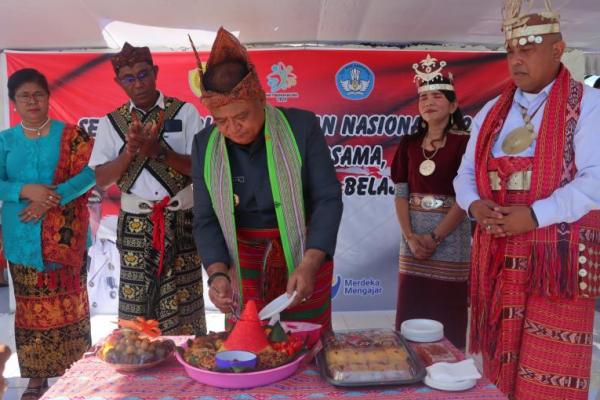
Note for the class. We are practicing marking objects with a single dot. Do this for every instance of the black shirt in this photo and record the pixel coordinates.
(322, 190)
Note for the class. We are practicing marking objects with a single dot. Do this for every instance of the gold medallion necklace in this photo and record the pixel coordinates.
(427, 166)
(519, 139)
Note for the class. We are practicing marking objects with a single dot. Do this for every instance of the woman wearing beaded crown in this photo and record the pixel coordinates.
(44, 180)
(435, 248)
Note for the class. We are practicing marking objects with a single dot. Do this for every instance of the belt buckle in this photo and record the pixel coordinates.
(515, 181)
(430, 203)
(520, 180)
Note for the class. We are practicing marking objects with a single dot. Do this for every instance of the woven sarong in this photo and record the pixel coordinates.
(52, 321)
(174, 298)
(264, 277)
(440, 282)
(538, 347)
(452, 257)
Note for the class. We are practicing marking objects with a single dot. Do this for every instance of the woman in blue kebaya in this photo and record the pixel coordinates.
(44, 180)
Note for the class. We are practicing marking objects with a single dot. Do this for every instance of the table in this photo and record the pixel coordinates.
(91, 379)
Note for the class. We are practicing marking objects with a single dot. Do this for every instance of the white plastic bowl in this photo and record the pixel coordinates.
(422, 330)
(450, 386)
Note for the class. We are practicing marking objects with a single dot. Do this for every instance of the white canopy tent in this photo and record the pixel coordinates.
(98, 24)
(51, 25)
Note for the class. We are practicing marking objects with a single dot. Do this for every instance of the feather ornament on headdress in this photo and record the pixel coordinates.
(227, 48)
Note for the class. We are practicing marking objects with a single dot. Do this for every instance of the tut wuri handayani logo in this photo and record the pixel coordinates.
(355, 81)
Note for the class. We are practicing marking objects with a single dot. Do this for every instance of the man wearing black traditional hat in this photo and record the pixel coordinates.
(143, 146)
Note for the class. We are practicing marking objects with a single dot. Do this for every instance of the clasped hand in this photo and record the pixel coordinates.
(422, 246)
(502, 221)
(41, 199)
(142, 139)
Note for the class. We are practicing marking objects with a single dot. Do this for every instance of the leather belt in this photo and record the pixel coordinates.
(430, 201)
(520, 180)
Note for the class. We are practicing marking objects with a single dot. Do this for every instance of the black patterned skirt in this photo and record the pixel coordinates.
(52, 320)
(174, 297)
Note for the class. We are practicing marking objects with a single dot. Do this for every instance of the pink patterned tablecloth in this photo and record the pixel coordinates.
(92, 379)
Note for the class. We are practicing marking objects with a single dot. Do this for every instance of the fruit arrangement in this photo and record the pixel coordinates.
(272, 345)
(135, 344)
(125, 346)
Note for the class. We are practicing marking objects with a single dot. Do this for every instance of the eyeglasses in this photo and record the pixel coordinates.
(141, 76)
(27, 97)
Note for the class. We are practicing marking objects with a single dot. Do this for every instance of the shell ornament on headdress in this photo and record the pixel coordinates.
(522, 26)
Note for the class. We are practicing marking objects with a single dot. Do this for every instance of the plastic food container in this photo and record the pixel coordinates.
(422, 330)
(431, 353)
(235, 359)
(368, 357)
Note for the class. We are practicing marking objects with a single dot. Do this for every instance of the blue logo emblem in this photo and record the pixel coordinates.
(355, 81)
(335, 286)
(282, 78)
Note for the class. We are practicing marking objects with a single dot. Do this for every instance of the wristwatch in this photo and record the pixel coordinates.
(162, 155)
(216, 275)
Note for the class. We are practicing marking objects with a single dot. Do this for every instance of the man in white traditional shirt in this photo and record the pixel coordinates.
(530, 177)
(144, 147)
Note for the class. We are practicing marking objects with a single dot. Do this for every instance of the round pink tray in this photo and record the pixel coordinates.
(242, 380)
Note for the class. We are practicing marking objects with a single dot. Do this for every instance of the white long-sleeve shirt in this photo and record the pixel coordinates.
(108, 142)
(566, 204)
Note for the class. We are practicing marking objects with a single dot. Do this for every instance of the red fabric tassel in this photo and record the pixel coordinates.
(158, 233)
(474, 299)
(554, 270)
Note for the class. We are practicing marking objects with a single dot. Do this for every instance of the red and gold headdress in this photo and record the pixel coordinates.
(521, 27)
(226, 48)
(429, 76)
(129, 56)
